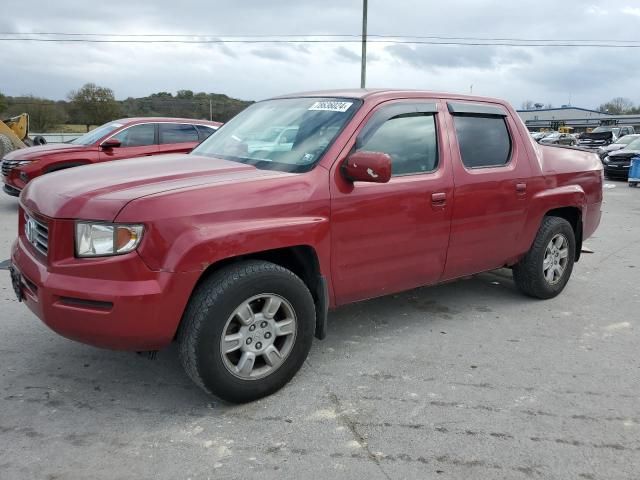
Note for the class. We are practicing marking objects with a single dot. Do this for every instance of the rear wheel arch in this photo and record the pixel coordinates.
(546, 268)
(573, 215)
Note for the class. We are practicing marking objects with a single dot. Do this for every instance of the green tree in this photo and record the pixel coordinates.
(44, 115)
(3, 103)
(93, 105)
(184, 94)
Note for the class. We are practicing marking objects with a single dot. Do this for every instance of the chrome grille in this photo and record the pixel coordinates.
(8, 165)
(36, 233)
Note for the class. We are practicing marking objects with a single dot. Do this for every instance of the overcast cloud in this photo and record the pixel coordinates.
(586, 76)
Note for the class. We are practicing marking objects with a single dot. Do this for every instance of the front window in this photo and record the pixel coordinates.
(410, 140)
(635, 145)
(289, 134)
(626, 140)
(137, 136)
(96, 134)
(615, 130)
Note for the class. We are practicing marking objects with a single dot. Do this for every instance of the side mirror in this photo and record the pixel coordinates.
(367, 167)
(111, 143)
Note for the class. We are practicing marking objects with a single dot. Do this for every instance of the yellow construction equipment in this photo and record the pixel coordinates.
(14, 134)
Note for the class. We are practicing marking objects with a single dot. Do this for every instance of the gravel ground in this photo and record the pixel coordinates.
(464, 380)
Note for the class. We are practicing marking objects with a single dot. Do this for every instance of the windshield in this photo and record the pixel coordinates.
(553, 135)
(615, 130)
(289, 134)
(96, 134)
(626, 140)
(635, 145)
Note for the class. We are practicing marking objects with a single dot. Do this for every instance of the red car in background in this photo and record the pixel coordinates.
(117, 140)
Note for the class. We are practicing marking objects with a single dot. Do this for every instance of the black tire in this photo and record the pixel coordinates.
(206, 315)
(528, 272)
(39, 140)
(5, 146)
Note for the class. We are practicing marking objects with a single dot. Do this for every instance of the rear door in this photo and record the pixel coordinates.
(392, 237)
(491, 173)
(135, 141)
(178, 137)
(204, 132)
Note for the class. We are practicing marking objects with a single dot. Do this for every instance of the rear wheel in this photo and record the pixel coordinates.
(247, 330)
(545, 270)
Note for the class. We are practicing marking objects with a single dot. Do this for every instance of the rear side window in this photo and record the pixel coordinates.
(137, 136)
(484, 140)
(204, 132)
(178, 133)
(410, 141)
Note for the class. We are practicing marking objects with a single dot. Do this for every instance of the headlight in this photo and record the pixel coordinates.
(606, 159)
(95, 239)
(16, 163)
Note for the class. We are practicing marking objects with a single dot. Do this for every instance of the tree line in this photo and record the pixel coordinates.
(93, 105)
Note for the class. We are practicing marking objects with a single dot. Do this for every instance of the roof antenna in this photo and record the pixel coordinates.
(471, 89)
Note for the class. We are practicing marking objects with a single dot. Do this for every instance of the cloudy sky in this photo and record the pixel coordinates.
(585, 76)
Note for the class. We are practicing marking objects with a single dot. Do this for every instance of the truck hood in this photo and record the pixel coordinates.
(595, 136)
(34, 153)
(100, 191)
(623, 154)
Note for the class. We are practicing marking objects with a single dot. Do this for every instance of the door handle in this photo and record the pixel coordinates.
(521, 187)
(439, 199)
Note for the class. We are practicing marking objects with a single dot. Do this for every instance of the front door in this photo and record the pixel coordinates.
(392, 237)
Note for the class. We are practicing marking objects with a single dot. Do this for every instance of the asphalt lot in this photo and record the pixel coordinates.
(468, 380)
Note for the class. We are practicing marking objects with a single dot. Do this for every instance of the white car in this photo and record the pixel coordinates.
(275, 139)
(619, 144)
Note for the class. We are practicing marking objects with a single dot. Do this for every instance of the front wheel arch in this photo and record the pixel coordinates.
(303, 261)
(204, 331)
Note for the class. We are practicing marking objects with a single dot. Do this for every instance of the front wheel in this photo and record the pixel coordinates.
(545, 270)
(247, 330)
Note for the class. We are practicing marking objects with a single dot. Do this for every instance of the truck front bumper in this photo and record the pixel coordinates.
(139, 311)
(10, 190)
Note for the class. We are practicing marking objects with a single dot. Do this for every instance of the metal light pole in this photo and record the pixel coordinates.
(363, 67)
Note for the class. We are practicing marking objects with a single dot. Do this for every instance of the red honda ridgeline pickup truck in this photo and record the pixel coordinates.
(238, 249)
